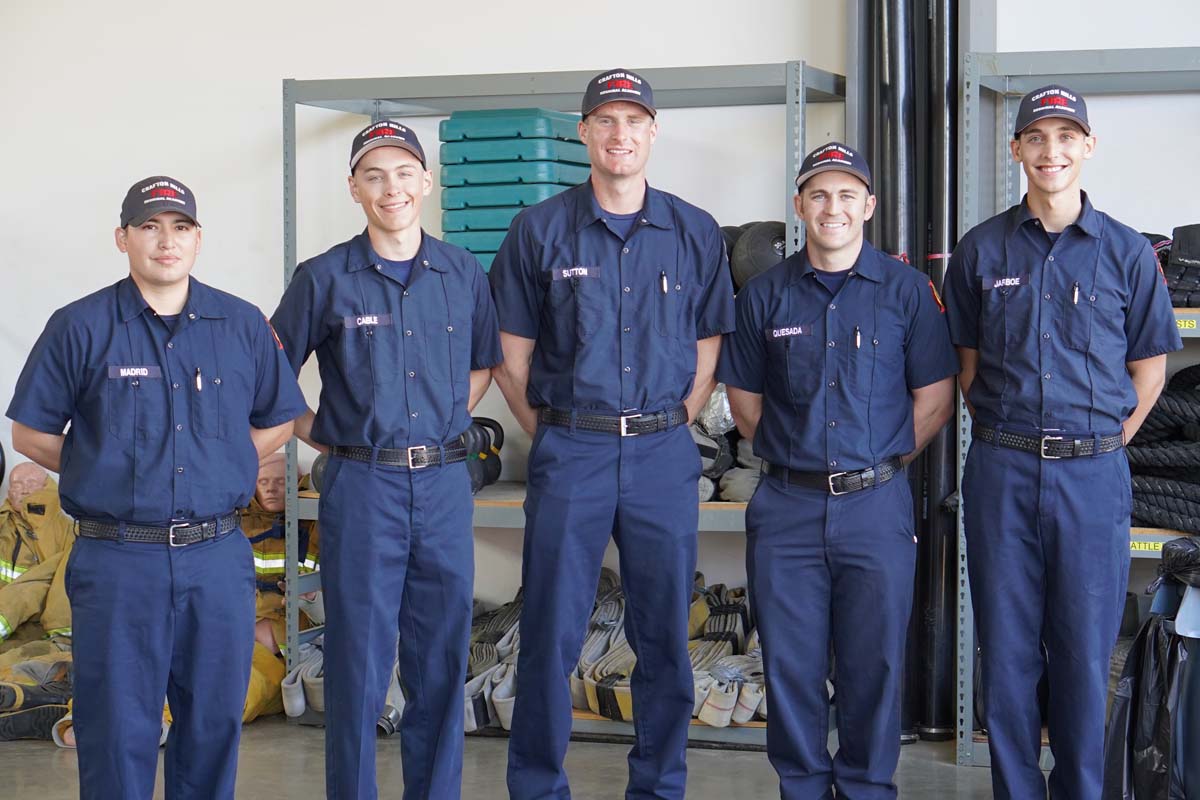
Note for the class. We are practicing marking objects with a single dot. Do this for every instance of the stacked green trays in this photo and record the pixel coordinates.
(495, 163)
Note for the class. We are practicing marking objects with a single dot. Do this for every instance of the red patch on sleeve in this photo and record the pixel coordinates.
(937, 299)
(275, 335)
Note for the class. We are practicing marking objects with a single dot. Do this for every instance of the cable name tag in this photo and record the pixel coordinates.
(1005, 282)
(566, 273)
(364, 320)
(790, 330)
(116, 373)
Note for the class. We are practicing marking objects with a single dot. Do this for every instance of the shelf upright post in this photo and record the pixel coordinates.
(797, 74)
(291, 497)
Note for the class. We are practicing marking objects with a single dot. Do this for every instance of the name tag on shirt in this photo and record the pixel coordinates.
(1005, 282)
(116, 373)
(789, 330)
(566, 273)
(367, 320)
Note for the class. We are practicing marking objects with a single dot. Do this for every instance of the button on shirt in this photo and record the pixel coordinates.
(616, 320)
(395, 359)
(160, 415)
(1055, 322)
(835, 371)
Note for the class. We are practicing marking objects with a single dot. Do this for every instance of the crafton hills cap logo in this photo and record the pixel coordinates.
(164, 191)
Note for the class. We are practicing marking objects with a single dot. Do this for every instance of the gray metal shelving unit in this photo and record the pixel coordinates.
(791, 83)
(991, 87)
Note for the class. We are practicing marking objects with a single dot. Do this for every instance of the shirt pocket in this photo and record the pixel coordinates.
(1077, 321)
(1006, 309)
(670, 302)
(368, 345)
(121, 406)
(206, 386)
(130, 399)
(862, 353)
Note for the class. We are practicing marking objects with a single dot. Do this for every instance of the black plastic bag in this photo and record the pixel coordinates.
(1180, 562)
(1138, 742)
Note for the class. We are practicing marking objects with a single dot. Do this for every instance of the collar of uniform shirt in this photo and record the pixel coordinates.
(1088, 221)
(654, 208)
(869, 265)
(200, 300)
(363, 256)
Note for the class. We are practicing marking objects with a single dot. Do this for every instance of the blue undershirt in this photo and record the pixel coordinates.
(833, 281)
(622, 224)
(397, 270)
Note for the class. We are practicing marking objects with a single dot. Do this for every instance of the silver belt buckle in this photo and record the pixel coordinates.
(419, 448)
(171, 533)
(1043, 452)
(625, 424)
(829, 480)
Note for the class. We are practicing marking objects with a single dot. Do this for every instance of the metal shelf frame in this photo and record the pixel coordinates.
(791, 83)
(991, 87)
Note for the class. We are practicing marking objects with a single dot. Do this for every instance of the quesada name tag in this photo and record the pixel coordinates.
(1005, 282)
(366, 320)
(566, 273)
(116, 373)
(789, 330)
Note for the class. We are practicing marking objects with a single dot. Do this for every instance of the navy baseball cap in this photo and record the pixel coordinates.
(834, 156)
(154, 195)
(1051, 101)
(385, 133)
(618, 84)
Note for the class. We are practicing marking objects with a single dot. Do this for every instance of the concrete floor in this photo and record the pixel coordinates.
(283, 760)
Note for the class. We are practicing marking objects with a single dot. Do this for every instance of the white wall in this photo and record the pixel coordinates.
(98, 95)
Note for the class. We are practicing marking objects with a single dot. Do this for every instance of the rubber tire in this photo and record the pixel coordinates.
(759, 249)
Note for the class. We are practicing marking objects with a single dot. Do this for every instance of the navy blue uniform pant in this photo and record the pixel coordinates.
(1048, 558)
(825, 569)
(583, 489)
(397, 561)
(149, 622)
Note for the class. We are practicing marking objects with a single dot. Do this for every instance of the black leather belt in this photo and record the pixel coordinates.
(1050, 447)
(177, 534)
(625, 425)
(418, 457)
(838, 483)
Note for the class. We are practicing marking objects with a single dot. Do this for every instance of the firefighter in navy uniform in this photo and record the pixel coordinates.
(405, 335)
(841, 370)
(173, 391)
(1063, 324)
(612, 299)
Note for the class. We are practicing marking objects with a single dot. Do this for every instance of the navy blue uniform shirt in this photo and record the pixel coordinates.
(1054, 323)
(395, 359)
(616, 320)
(835, 371)
(160, 416)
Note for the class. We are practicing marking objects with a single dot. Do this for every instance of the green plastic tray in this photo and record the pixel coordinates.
(477, 241)
(510, 123)
(510, 194)
(514, 172)
(489, 150)
(479, 219)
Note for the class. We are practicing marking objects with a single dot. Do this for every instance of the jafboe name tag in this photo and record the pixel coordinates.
(118, 372)
(367, 320)
(1004, 281)
(567, 273)
(789, 330)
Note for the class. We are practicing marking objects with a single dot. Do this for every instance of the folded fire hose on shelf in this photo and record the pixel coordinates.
(607, 619)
